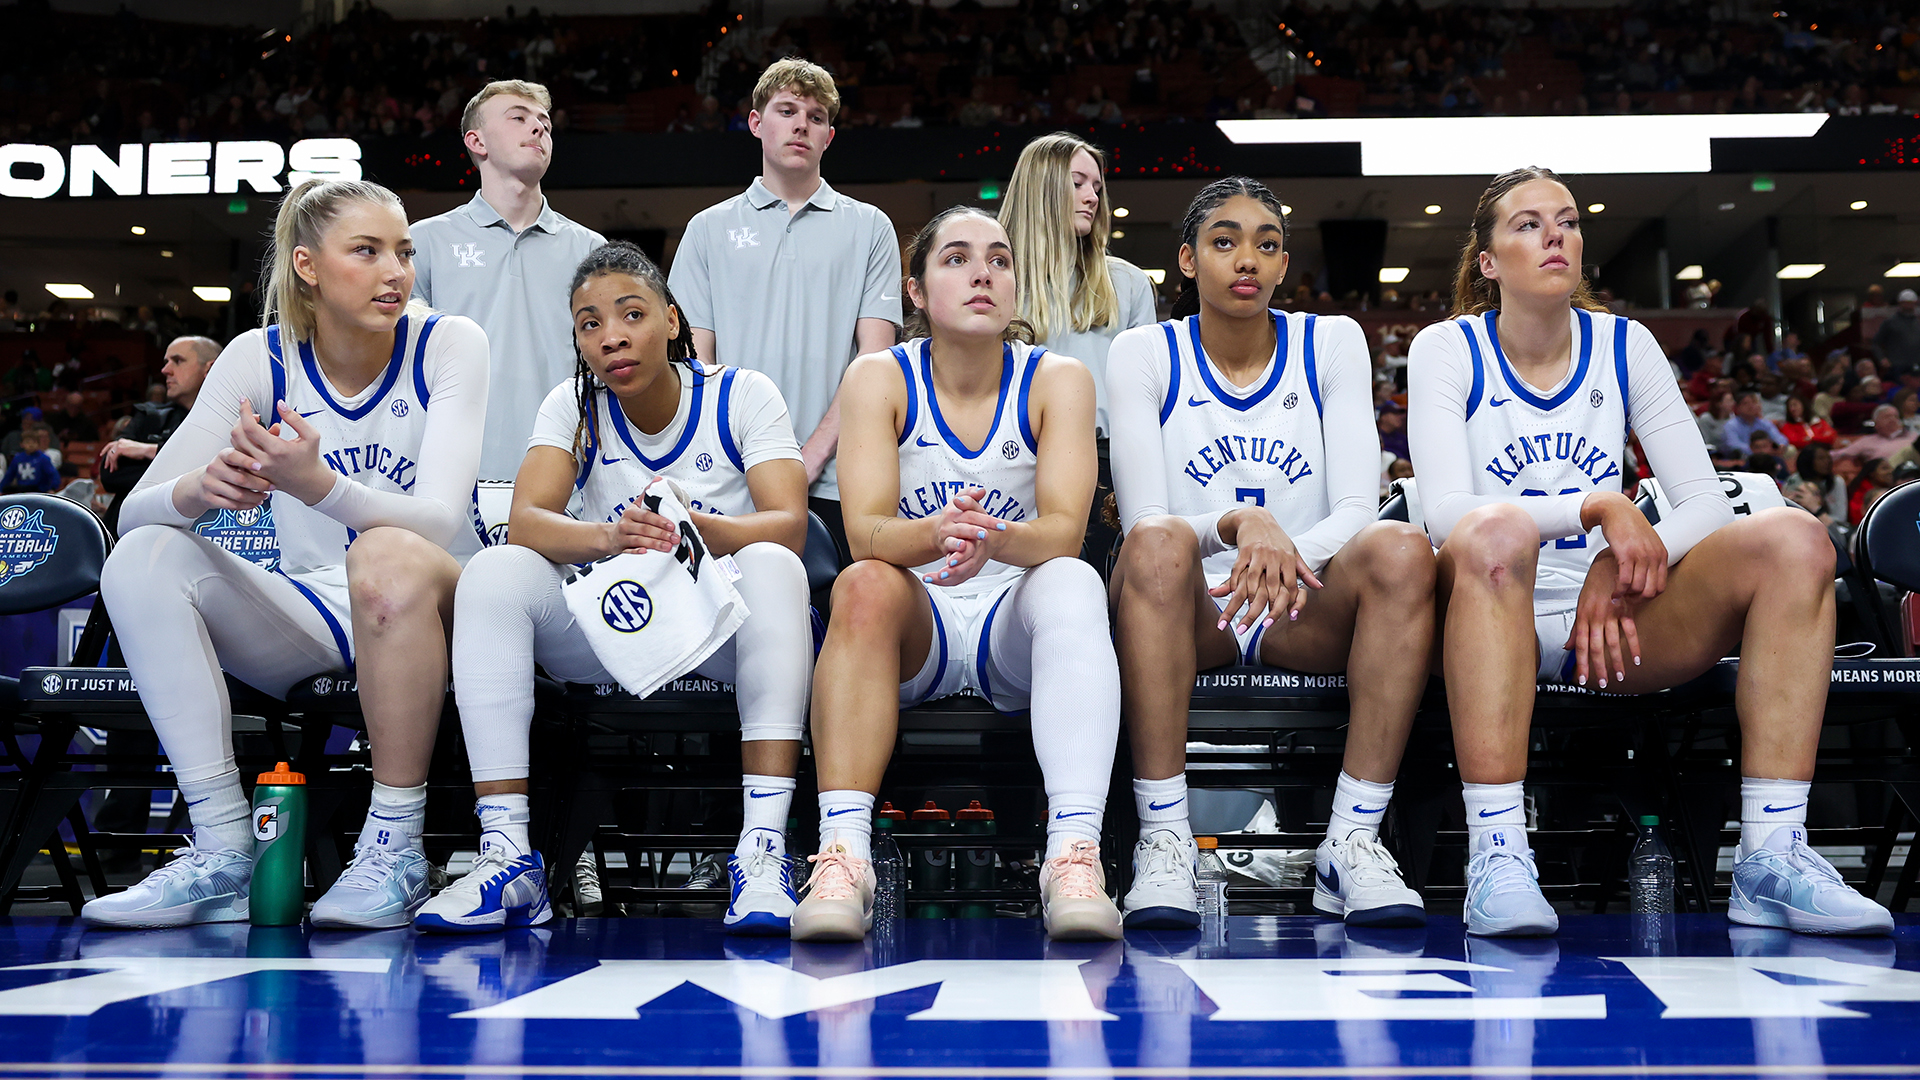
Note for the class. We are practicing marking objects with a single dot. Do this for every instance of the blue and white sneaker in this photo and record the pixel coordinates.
(1163, 893)
(500, 892)
(762, 899)
(380, 890)
(1355, 879)
(1503, 891)
(203, 884)
(1794, 888)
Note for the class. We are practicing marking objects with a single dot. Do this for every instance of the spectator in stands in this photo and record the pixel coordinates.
(125, 459)
(1898, 339)
(1801, 427)
(790, 277)
(495, 260)
(978, 111)
(1694, 353)
(1713, 422)
(1745, 421)
(1764, 457)
(1814, 472)
(1392, 425)
(1907, 401)
(30, 376)
(72, 422)
(1789, 350)
(1832, 390)
(1773, 396)
(1712, 367)
(31, 469)
(1889, 439)
(1875, 476)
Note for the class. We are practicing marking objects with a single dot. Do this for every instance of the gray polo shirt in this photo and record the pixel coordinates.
(469, 262)
(782, 292)
(1134, 290)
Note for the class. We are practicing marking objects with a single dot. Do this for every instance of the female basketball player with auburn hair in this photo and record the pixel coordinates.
(1519, 410)
(357, 417)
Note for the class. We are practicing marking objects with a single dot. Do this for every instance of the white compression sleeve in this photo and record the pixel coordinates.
(1351, 439)
(508, 613)
(1674, 448)
(1136, 384)
(776, 642)
(183, 609)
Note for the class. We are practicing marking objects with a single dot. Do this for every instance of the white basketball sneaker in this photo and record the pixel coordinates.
(500, 892)
(1357, 880)
(1795, 888)
(1162, 895)
(1503, 891)
(380, 890)
(203, 884)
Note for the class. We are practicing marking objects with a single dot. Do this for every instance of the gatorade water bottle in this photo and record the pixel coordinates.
(931, 868)
(973, 867)
(279, 891)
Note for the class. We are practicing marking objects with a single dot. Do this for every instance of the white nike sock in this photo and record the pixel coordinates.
(396, 818)
(218, 808)
(846, 818)
(1163, 807)
(503, 823)
(1071, 818)
(1358, 806)
(1766, 805)
(1496, 816)
(765, 802)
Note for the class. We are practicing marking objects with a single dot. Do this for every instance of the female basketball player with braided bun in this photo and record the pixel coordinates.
(1519, 410)
(966, 470)
(357, 418)
(1247, 468)
(640, 406)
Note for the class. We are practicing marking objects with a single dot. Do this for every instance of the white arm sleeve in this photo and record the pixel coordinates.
(1439, 377)
(1352, 440)
(1137, 382)
(240, 371)
(758, 418)
(449, 448)
(1673, 446)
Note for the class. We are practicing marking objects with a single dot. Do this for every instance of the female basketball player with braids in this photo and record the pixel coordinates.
(640, 406)
(359, 417)
(1247, 468)
(966, 470)
(1519, 410)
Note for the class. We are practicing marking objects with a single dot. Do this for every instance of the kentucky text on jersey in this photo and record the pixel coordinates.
(352, 460)
(1553, 446)
(929, 499)
(1227, 449)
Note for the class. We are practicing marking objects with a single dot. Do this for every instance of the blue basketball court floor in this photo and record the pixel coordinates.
(1280, 996)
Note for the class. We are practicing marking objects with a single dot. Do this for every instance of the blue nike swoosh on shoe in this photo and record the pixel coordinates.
(922, 441)
(1358, 809)
(1196, 402)
(1063, 815)
(1496, 813)
(1166, 806)
(1496, 402)
(837, 813)
(764, 794)
(1771, 809)
(1331, 881)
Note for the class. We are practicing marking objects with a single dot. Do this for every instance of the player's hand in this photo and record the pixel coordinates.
(125, 448)
(1269, 576)
(228, 482)
(1637, 549)
(291, 465)
(1604, 638)
(639, 529)
(967, 536)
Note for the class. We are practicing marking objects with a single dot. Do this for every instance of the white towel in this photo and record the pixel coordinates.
(651, 616)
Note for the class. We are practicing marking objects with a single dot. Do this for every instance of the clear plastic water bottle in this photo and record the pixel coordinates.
(1650, 880)
(1210, 881)
(889, 873)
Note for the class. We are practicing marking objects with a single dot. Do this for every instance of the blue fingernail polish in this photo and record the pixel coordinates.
(943, 575)
(1002, 526)
(982, 535)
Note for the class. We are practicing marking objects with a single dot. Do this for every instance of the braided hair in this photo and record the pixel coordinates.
(1210, 199)
(621, 257)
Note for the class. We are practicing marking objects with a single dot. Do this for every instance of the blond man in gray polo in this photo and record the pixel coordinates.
(504, 260)
(791, 277)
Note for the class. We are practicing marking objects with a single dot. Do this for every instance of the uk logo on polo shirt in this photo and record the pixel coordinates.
(469, 254)
(743, 238)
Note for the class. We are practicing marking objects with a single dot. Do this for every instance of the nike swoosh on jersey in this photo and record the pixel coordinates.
(922, 441)
(315, 412)
(1496, 401)
(1196, 402)
(605, 460)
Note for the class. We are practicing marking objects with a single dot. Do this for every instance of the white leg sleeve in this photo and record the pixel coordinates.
(1051, 637)
(508, 613)
(777, 642)
(184, 608)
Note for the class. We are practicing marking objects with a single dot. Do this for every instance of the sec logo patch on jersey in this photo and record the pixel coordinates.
(1010, 449)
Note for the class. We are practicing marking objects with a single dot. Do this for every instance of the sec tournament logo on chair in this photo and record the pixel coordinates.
(626, 607)
(25, 542)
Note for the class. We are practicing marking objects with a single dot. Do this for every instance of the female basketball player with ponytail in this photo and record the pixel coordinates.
(1247, 468)
(1519, 409)
(640, 406)
(966, 469)
(358, 417)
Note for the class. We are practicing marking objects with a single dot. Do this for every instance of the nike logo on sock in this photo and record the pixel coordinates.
(1063, 815)
(1358, 809)
(764, 794)
(378, 816)
(1771, 809)
(847, 810)
(1484, 814)
(198, 801)
(1166, 806)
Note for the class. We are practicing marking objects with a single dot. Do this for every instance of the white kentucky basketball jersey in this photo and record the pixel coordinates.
(935, 465)
(1567, 440)
(697, 451)
(1263, 444)
(372, 437)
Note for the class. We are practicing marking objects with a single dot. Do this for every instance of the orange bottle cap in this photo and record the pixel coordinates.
(975, 812)
(930, 812)
(888, 811)
(1206, 843)
(282, 774)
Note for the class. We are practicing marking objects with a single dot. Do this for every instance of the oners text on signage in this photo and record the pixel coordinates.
(173, 168)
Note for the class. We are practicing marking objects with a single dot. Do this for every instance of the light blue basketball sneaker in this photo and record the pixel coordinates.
(1503, 890)
(1787, 884)
(380, 890)
(205, 883)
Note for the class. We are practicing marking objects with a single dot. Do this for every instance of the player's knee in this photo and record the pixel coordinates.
(1068, 592)
(871, 596)
(770, 561)
(1497, 545)
(1398, 559)
(1791, 541)
(1158, 555)
(135, 567)
(393, 572)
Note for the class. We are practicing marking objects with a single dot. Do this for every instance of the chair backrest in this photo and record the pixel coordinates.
(1886, 545)
(1403, 504)
(51, 551)
(822, 557)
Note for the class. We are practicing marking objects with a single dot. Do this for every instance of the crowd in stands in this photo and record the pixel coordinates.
(909, 65)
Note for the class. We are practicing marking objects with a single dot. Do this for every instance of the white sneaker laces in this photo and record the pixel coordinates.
(1503, 869)
(1372, 864)
(1814, 865)
(1166, 860)
(1076, 874)
(371, 865)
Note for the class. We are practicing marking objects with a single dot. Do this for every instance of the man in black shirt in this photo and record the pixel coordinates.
(126, 459)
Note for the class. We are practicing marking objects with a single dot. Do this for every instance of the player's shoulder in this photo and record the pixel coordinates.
(446, 331)
(720, 211)
(1445, 337)
(742, 380)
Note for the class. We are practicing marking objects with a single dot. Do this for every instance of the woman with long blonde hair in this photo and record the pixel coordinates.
(353, 417)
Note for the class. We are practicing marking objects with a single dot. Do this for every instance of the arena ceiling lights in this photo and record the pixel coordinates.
(1904, 269)
(1488, 145)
